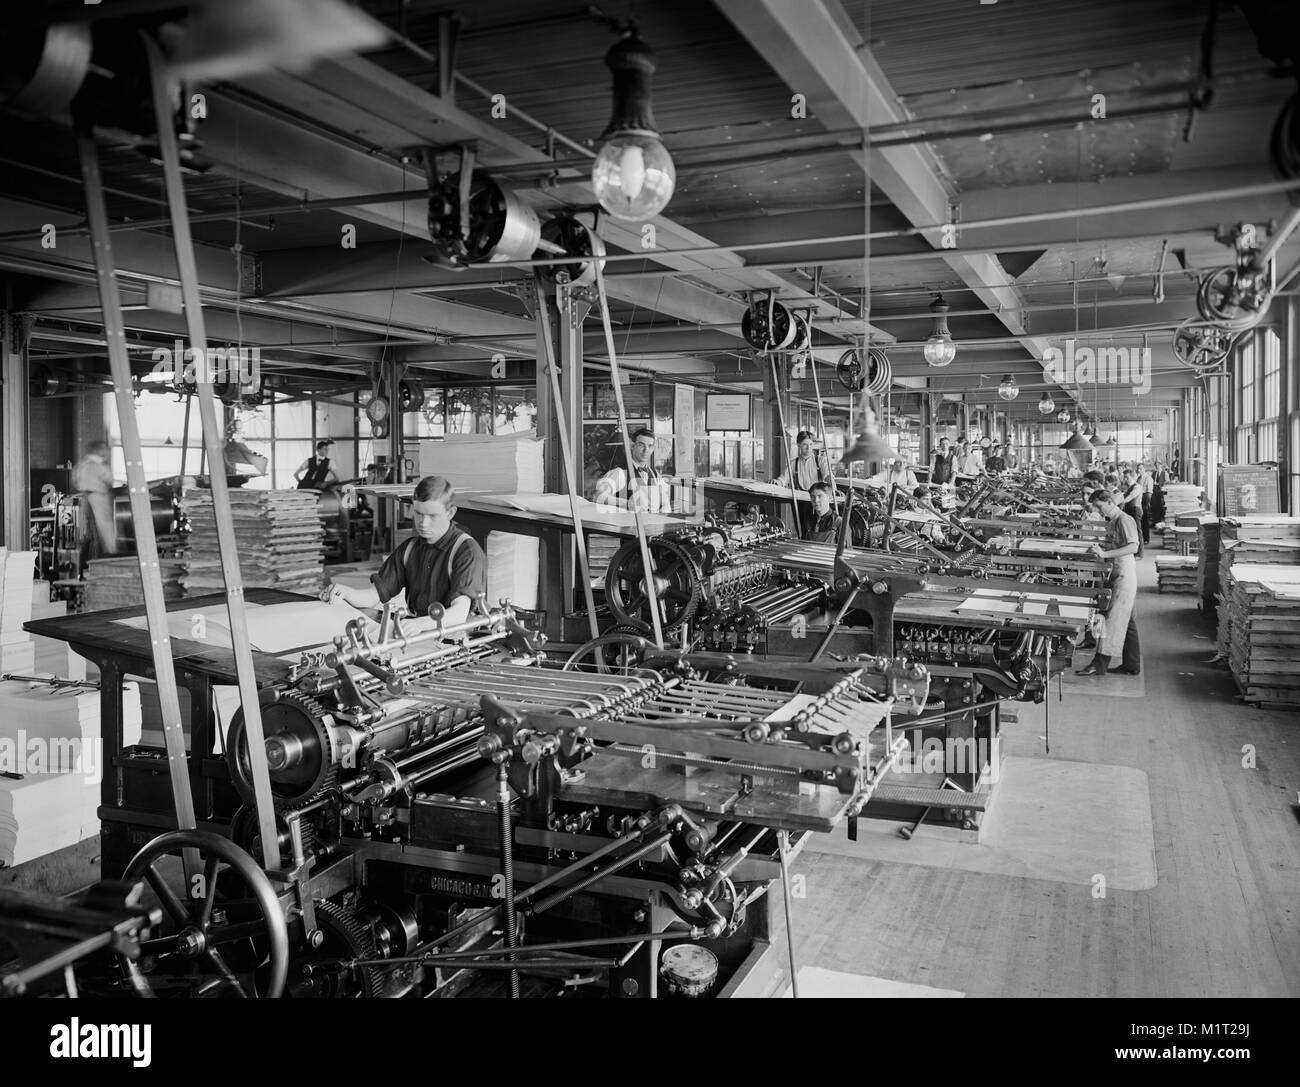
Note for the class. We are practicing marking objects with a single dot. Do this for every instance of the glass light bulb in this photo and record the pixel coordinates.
(633, 175)
(939, 350)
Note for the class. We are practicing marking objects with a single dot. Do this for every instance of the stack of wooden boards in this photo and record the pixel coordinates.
(1259, 632)
(115, 583)
(279, 536)
(1176, 573)
(17, 573)
(51, 765)
(1207, 562)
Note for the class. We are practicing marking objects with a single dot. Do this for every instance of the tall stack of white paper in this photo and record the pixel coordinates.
(500, 464)
(513, 568)
(51, 765)
(17, 570)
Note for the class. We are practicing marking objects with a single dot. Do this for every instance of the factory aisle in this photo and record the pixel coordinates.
(1221, 919)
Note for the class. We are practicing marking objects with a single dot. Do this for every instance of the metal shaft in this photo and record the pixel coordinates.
(507, 870)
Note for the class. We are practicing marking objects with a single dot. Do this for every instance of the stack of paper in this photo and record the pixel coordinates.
(513, 569)
(504, 464)
(1207, 561)
(115, 583)
(17, 570)
(51, 765)
(1176, 573)
(279, 537)
(1259, 631)
(1181, 498)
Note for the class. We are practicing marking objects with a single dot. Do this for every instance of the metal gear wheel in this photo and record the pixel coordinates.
(346, 935)
(679, 583)
(305, 757)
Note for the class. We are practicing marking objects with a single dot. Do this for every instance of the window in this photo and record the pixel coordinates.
(161, 421)
(1247, 372)
(1272, 374)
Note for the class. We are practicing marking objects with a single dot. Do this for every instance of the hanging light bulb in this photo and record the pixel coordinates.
(633, 174)
(1007, 388)
(939, 349)
(1046, 405)
(1063, 416)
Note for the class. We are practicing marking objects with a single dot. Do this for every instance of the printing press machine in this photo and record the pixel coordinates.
(458, 815)
(990, 627)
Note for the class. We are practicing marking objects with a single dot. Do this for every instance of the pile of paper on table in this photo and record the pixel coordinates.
(17, 573)
(491, 464)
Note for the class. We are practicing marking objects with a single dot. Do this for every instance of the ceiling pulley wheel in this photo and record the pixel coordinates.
(43, 381)
(850, 372)
(768, 326)
(410, 394)
(572, 239)
(880, 374)
(501, 226)
(1233, 298)
(1202, 346)
(802, 341)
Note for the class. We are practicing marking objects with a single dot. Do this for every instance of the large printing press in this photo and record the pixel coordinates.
(459, 811)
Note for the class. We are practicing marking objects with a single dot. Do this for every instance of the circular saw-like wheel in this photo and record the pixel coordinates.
(678, 583)
(299, 751)
(190, 959)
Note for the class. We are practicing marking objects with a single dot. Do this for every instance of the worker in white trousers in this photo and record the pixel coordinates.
(1121, 546)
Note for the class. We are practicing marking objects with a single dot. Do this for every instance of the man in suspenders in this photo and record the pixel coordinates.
(614, 488)
(315, 473)
(441, 564)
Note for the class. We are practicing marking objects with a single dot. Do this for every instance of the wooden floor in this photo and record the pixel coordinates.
(1222, 919)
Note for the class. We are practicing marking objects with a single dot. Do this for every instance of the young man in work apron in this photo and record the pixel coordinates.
(1119, 638)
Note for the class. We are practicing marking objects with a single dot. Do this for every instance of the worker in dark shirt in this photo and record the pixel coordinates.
(943, 464)
(315, 473)
(440, 564)
(995, 462)
(824, 524)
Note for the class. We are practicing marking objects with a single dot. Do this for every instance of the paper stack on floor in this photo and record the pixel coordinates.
(501, 464)
(17, 571)
(115, 583)
(1181, 498)
(279, 536)
(1176, 573)
(52, 738)
(1207, 561)
(1259, 631)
